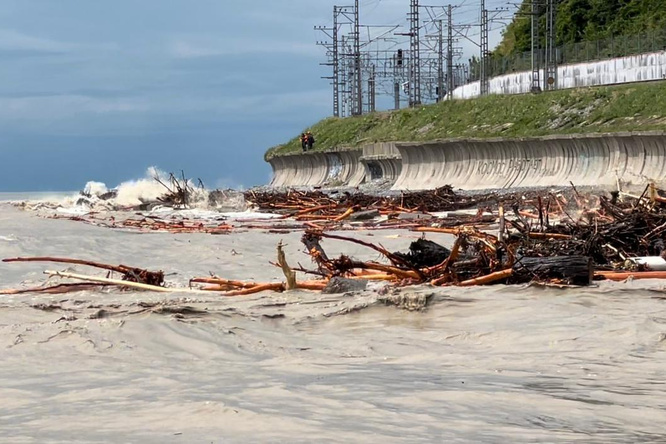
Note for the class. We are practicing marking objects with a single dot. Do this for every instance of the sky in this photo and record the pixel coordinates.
(102, 90)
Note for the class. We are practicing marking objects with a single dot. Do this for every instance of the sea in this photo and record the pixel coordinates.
(499, 364)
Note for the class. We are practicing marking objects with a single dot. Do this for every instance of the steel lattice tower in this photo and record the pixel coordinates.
(550, 78)
(450, 85)
(534, 14)
(415, 59)
(357, 89)
(483, 62)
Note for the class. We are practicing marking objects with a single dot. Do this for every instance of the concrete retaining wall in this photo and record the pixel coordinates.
(597, 159)
(503, 163)
(381, 161)
(348, 167)
(638, 68)
(317, 169)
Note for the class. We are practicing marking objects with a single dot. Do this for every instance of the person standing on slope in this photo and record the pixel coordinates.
(310, 140)
(304, 142)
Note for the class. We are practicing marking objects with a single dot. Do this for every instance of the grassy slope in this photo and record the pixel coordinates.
(636, 107)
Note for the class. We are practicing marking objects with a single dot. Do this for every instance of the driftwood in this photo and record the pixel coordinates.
(131, 274)
(288, 272)
(569, 270)
(120, 283)
(55, 289)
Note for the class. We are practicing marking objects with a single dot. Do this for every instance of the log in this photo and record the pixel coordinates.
(286, 270)
(570, 270)
(223, 282)
(344, 215)
(121, 283)
(56, 289)
(547, 236)
(278, 286)
(130, 273)
(623, 276)
(488, 279)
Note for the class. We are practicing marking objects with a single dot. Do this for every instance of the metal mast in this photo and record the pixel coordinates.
(336, 65)
(415, 59)
(483, 77)
(536, 84)
(371, 90)
(357, 109)
(550, 78)
(449, 55)
(440, 60)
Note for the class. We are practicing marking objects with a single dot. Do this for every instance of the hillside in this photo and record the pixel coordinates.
(635, 107)
(583, 20)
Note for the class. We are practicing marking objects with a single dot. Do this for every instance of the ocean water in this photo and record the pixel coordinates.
(494, 364)
(50, 196)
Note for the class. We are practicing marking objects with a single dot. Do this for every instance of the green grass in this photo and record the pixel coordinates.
(635, 107)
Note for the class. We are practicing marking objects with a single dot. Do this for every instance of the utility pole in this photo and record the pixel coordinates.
(344, 79)
(483, 61)
(333, 52)
(536, 84)
(450, 86)
(357, 109)
(550, 78)
(440, 60)
(336, 64)
(371, 90)
(415, 58)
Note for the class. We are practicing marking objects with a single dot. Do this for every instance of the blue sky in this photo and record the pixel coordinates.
(101, 90)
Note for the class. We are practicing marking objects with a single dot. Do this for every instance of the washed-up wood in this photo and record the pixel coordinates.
(488, 279)
(624, 275)
(132, 274)
(120, 283)
(569, 270)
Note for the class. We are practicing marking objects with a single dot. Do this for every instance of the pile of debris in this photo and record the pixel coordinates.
(336, 203)
(553, 239)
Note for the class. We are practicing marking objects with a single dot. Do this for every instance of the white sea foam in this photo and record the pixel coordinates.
(135, 192)
(93, 188)
(146, 190)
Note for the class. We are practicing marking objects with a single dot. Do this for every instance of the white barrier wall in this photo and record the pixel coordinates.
(586, 160)
(637, 68)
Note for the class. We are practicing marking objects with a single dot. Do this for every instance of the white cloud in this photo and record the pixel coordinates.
(11, 40)
(58, 107)
(16, 41)
(196, 47)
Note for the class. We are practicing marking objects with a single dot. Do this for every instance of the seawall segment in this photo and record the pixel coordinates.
(317, 169)
(382, 161)
(586, 160)
(474, 164)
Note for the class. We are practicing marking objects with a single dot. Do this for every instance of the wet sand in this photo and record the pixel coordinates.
(493, 364)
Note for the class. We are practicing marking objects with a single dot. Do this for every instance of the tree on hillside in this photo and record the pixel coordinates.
(582, 20)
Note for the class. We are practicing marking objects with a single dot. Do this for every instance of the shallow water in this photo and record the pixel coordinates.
(497, 364)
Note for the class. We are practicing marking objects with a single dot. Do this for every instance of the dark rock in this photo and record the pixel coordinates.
(414, 216)
(343, 285)
(364, 215)
(425, 253)
(109, 195)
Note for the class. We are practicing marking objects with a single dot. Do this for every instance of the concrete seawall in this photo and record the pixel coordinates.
(317, 169)
(349, 167)
(599, 159)
(596, 159)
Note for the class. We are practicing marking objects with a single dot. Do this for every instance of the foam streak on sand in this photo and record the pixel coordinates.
(491, 364)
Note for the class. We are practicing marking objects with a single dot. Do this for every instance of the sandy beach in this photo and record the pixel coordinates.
(494, 364)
